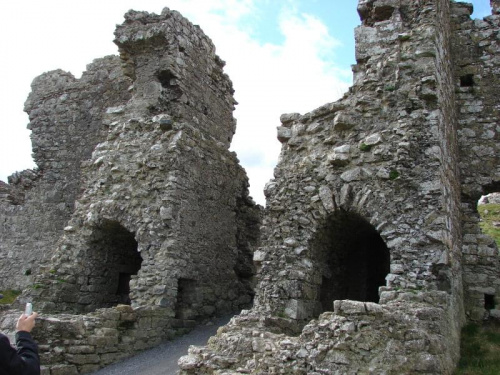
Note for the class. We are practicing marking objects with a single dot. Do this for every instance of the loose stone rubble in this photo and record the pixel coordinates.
(369, 258)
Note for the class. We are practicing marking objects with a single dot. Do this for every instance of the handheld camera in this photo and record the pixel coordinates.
(29, 309)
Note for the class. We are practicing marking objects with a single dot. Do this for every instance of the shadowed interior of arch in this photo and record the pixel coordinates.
(114, 258)
(353, 260)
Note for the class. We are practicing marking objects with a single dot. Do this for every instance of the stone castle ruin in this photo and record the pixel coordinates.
(368, 258)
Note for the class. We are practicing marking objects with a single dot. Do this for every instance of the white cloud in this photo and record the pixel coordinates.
(275, 79)
(297, 75)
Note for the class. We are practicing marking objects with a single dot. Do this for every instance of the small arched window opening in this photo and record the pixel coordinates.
(113, 261)
(352, 260)
(167, 79)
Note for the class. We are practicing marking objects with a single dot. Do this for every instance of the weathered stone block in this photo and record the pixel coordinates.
(81, 349)
(82, 359)
(63, 370)
(342, 121)
(299, 309)
(340, 156)
(284, 134)
(287, 118)
(348, 307)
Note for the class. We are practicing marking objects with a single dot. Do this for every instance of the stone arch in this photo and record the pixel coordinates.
(351, 260)
(112, 260)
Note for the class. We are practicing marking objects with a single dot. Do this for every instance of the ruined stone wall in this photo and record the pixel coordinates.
(160, 216)
(450, 268)
(355, 338)
(66, 124)
(359, 264)
(78, 344)
(477, 65)
(387, 152)
(375, 153)
(187, 82)
(164, 186)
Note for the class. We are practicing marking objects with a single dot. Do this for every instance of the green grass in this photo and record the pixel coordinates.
(480, 345)
(9, 296)
(490, 214)
(480, 350)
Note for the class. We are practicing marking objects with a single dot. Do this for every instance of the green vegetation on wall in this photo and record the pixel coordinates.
(480, 345)
(9, 296)
(490, 223)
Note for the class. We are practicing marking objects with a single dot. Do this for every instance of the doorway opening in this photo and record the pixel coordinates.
(353, 260)
(113, 261)
(188, 305)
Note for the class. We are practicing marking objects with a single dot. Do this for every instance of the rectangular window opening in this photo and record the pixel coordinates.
(489, 301)
(467, 80)
(123, 283)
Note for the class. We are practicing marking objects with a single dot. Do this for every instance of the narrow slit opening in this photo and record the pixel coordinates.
(489, 301)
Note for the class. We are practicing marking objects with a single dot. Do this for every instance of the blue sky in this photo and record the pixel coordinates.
(282, 56)
(340, 17)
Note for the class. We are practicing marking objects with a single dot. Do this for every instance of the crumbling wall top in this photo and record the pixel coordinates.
(176, 72)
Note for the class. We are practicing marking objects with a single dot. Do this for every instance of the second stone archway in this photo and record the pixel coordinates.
(351, 260)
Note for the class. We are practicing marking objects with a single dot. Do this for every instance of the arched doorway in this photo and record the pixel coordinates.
(112, 261)
(352, 260)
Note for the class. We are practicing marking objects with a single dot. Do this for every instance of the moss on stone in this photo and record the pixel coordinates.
(364, 147)
(393, 174)
(9, 296)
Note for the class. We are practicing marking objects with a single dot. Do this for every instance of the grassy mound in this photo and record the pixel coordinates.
(480, 350)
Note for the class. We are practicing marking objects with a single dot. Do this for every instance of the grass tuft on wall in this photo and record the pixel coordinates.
(9, 296)
(490, 220)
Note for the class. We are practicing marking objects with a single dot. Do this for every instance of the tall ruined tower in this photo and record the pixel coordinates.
(164, 218)
(151, 226)
(371, 256)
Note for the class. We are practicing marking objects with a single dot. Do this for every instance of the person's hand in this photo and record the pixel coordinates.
(26, 323)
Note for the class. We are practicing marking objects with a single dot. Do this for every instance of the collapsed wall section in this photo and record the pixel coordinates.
(186, 80)
(66, 124)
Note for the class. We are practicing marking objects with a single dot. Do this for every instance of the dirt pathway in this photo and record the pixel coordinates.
(162, 360)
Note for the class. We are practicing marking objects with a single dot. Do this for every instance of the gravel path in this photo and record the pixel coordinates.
(162, 360)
